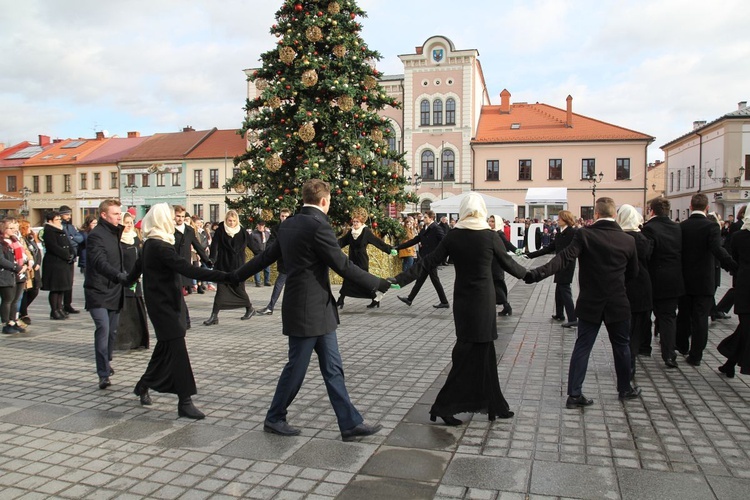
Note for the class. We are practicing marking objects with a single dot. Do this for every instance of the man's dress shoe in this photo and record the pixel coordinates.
(727, 370)
(442, 305)
(632, 393)
(104, 383)
(281, 428)
(405, 300)
(360, 431)
(692, 361)
(577, 401)
(570, 324)
(671, 363)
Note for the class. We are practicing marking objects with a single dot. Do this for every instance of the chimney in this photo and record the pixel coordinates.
(569, 114)
(43, 140)
(189, 128)
(505, 101)
(698, 124)
(100, 136)
(742, 105)
(133, 134)
(2, 146)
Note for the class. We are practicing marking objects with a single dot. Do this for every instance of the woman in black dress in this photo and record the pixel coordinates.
(357, 240)
(56, 275)
(132, 331)
(228, 253)
(472, 384)
(169, 369)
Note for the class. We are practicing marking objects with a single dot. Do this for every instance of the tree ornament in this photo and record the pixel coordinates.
(261, 84)
(287, 54)
(298, 7)
(274, 102)
(376, 135)
(309, 78)
(266, 214)
(346, 103)
(370, 82)
(307, 132)
(355, 161)
(334, 8)
(314, 34)
(273, 162)
(339, 51)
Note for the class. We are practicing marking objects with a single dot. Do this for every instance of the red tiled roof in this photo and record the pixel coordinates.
(65, 152)
(172, 146)
(220, 144)
(113, 150)
(544, 123)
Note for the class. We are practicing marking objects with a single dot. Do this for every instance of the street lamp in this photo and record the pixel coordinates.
(416, 181)
(594, 180)
(25, 193)
(131, 188)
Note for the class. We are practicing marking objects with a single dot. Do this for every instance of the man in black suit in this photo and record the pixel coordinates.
(429, 238)
(607, 257)
(184, 240)
(727, 301)
(665, 269)
(701, 243)
(309, 315)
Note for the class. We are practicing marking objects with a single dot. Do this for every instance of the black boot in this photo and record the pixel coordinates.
(373, 304)
(142, 392)
(185, 408)
(249, 313)
(212, 320)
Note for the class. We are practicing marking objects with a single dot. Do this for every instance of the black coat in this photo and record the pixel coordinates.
(472, 253)
(429, 238)
(228, 253)
(665, 265)
(102, 287)
(258, 242)
(130, 256)
(162, 269)
(183, 242)
(639, 288)
(309, 247)
(8, 266)
(741, 254)
(607, 257)
(560, 243)
(701, 239)
(56, 273)
(358, 256)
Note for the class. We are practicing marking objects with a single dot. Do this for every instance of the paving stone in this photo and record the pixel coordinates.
(407, 463)
(365, 487)
(39, 414)
(729, 488)
(199, 437)
(335, 455)
(145, 430)
(86, 421)
(573, 480)
(433, 437)
(638, 484)
(259, 445)
(505, 474)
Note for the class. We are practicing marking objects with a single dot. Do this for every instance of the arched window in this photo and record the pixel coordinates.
(425, 206)
(437, 112)
(448, 164)
(450, 111)
(428, 166)
(424, 112)
(391, 145)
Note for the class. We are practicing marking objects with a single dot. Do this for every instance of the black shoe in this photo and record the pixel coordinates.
(576, 401)
(405, 300)
(249, 313)
(507, 311)
(258, 285)
(340, 302)
(281, 428)
(70, 310)
(56, 315)
(185, 408)
(212, 320)
(64, 313)
(683, 352)
(558, 318)
(570, 324)
(727, 370)
(692, 361)
(201, 290)
(104, 383)
(142, 393)
(632, 393)
(448, 419)
(373, 304)
(671, 362)
(9, 330)
(26, 320)
(644, 353)
(442, 305)
(265, 312)
(268, 284)
(18, 328)
(360, 431)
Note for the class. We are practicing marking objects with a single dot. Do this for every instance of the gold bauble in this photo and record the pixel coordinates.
(370, 82)
(287, 55)
(314, 34)
(334, 8)
(307, 132)
(261, 84)
(376, 135)
(393, 189)
(274, 102)
(355, 161)
(309, 78)
(253, 136)
(346, 103)
(339, 51)
(266, 214)
(273, 162)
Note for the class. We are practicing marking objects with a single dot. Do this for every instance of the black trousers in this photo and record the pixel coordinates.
(726, 302)
(68, 294)
(665, 311)
(564, 300)
(619, 337)
(433, 274)
(692, 324)
(640, 336)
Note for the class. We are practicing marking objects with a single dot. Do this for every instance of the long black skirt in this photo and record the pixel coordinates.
(230, 296)
(169, 369)
(472, 385)
(736, 347)
(132, 331)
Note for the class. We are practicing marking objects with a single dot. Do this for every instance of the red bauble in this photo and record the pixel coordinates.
(320, 14)
(281, 197)
(286, 191)
(335, 132)
(352, 15)
(268, 150)
(374, 224)
(298, 7)
(364, 97)
(338, 191)
(394, 176)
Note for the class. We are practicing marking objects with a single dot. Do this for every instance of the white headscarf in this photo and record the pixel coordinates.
(472, 213)
(158, 224)
(746, 219)
(629, 219)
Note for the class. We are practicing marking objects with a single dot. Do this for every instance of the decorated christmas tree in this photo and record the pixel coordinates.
(315, 116)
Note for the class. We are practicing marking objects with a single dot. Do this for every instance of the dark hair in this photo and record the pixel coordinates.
(87, 222)
(660, 206)
(50, 215)
(699, 201)
(314, 190)
(430, 214)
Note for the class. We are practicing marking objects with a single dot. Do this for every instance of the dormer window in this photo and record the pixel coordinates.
(515, 126)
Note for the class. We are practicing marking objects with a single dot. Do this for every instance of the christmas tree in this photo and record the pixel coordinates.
(316, 117)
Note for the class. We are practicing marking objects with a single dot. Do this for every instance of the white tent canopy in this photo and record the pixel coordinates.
(547, 196)
(495, 206)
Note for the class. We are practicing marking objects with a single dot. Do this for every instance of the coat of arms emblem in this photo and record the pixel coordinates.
(437, 55)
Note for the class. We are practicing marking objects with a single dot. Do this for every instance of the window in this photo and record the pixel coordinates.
(392, 142)
(747, 167)
(555, 169)
(66, 183)
(679, 179)
(493, 170)
(623, 169)
(159, 179)
(588, 168)
(521, 212)
(113, 180)
(35, 184)
(84, 181)
(428, 166)
(236, 171)
(47, 183)
(198, 210)
(213, 175)
(144, 180)
(97, 180)
(424, 113)
(130, 180)
(587, 213)
(12, 185)
(198, 179)
(450, 111)
(448, 163)
(671, 181)
(175, 178)
(524, 170)
(437, 112)
(213, 212)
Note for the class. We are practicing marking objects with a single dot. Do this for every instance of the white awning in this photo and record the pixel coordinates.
(546, 196)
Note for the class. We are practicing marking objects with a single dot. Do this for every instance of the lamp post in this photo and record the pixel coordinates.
(25, 193)
(131, 188)
(594, 180)
(416, 181)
